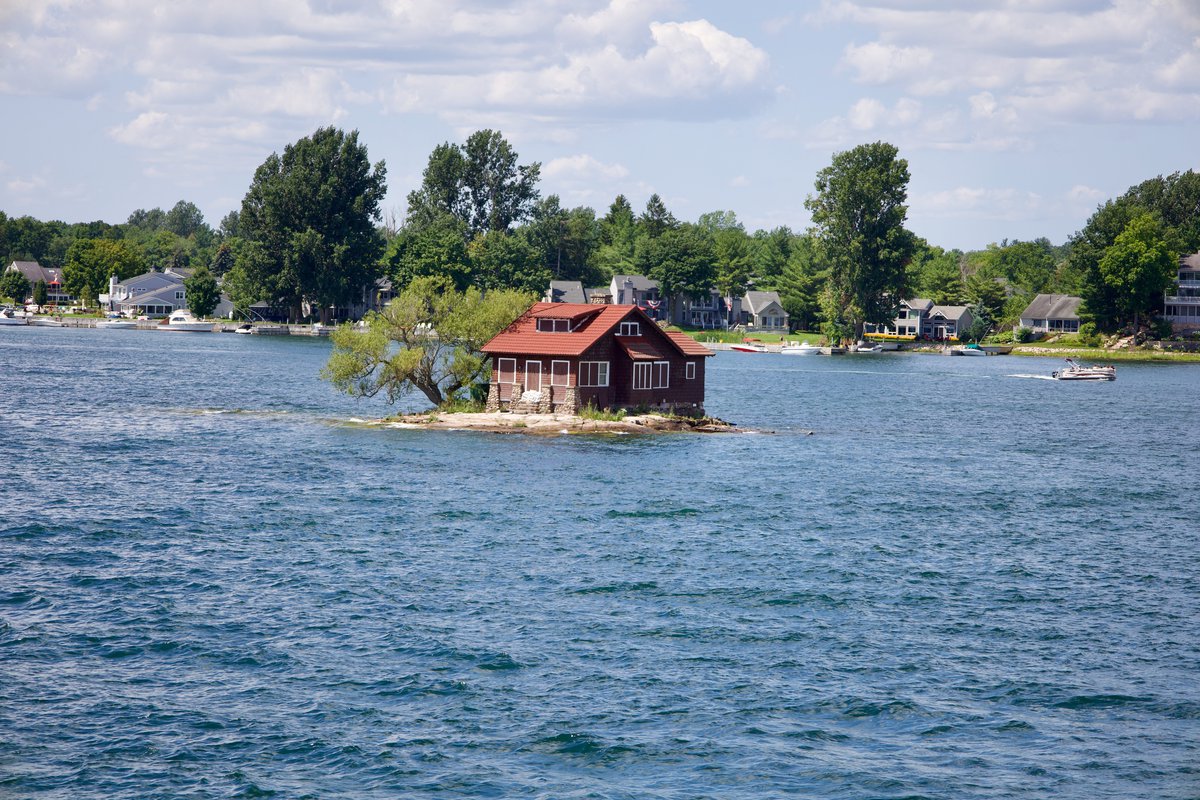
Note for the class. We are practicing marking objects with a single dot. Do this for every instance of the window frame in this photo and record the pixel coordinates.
(566, 372)
(630, 328)
(584, 374)
(689, 371)
(643, 375)
(500, 370)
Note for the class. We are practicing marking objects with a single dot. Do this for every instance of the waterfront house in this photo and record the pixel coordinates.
(1182, 309)
(640, 291)
(154, 294)
(707, 310)
(907, 323)
(565, 292)
(561, 357)
(763, 311)
(1051, 313)
(946, 322)
(51, 276)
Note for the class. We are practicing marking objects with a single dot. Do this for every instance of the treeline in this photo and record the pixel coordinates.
(309, 236)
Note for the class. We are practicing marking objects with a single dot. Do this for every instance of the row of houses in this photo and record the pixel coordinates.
(753, 311)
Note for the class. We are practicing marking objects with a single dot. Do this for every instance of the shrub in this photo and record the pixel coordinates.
(1088, 336)
(1023, 335)
(1160, 328)
(602, 415)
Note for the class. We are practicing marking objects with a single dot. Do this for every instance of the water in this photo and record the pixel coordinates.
(969, 582)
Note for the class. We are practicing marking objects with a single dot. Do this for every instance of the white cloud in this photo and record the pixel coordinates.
(582, 168)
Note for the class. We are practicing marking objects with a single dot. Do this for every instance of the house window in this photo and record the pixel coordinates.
(643, 371)
(560, 373)
(506, 370)
(593, 373)
(179, 295)
(689, 371)
(554, 325)
(662, 374)
(630, 329)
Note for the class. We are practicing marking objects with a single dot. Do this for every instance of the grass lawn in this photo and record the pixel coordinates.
(731, 337)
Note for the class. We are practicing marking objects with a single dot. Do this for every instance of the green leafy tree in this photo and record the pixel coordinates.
(435, 249)
(505, 261)
(14, 286)
(202, 292)
(985, 291)
(480, 183)
(731, 251)
(429, 339)
(223, 259)
(308, 223)
(769, 255)
(41, 293)
(90, 263)
(936, 275)
(681, 260)
(858, 218)
(1138, 267)
(618, 240)
(567, 239)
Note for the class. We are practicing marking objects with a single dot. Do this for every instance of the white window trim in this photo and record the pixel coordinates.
(601, 374)
(566, 375)
(630, 329)
(661, 369)
(689, 371)
(500, 370)
(643, 375)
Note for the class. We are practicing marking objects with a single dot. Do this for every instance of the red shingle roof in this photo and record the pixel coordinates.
(640, 348)
(593, 323)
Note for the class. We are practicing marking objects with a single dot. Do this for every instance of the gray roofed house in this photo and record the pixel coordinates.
(1052, 313)
(640, 291)
(34, 272)
(565, 292)
(763, 311)
(946, 322)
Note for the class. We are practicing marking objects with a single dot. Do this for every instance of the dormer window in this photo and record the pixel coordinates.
(630, 329)
(550, 325)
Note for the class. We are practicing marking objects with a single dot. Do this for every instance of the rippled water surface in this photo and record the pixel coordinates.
(968, 582)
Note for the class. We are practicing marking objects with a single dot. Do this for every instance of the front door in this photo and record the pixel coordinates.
(533, 376)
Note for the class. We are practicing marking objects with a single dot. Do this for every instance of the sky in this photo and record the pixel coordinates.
(1018, 118)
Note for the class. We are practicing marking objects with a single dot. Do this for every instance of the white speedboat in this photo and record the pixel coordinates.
(116, 324)
(748, 347)
(867, 349)
(968, 350)
(184, 321)
(47, 322)
(245, 328)
(1085, 372)
(800, 349)
(10, 316)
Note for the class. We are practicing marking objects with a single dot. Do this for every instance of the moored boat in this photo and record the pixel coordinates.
(748, 346)
(184, 321)
(969, 350)
(116, 324)
(9, 316)
(800, 349)
(1085, 372)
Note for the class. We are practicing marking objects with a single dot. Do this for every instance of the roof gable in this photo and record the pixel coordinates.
(1052, 306)
(593, 323)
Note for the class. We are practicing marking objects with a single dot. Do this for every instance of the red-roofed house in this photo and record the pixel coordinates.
(561, 357)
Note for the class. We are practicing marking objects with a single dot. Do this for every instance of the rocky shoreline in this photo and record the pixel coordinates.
(556, 424)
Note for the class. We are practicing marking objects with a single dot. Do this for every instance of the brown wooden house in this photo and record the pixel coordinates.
(561, 357)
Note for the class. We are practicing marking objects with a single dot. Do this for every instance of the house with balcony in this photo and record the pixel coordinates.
(640, 291)
(708, 310)
(1051, 313)
(907, 323)
(51, 276)
(1182, 309)
(942, 323)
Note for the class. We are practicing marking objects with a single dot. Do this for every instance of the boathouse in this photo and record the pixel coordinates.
(561, 357)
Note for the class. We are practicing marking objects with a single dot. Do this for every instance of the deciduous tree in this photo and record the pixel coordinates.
(1138, 267)
(90, 263)
(858, 217)
(308, 223)
(428, 339)
(202, 292)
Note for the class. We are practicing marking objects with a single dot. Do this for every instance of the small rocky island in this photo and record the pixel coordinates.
(555, 424)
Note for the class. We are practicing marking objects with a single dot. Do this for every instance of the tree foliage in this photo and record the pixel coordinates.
(428, 339)
(202, 292)
(858, 218)
(90, 263)
(14, 286)
(307, 223)
(681, 260)
(479, 183)
(1138, 267)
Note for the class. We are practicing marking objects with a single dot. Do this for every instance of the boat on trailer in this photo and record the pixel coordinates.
(1075, 371)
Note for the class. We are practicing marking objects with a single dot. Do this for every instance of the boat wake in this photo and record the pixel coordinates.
(1034, 377)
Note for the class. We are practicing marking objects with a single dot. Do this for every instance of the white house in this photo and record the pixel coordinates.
(1182, 309)
(1052, 313)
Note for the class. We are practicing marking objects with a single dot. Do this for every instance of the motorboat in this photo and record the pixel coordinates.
(245, 328)
(1085, 372)
(9, 316)
(800, 349)
(867, 349)
(969, 350)
(116, 324)
(748, 347)
(47, 322)
(183, 320)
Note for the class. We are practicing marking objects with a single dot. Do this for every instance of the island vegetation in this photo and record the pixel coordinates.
(310, 238)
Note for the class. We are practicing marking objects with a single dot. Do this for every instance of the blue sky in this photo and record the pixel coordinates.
(1017, 117)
